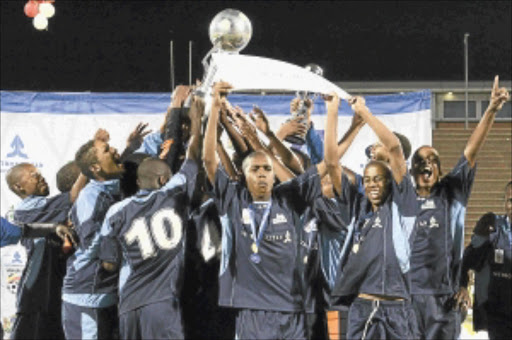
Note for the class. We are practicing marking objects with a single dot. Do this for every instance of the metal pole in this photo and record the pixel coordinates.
(190, 62)
(466, 35)
(171, 52)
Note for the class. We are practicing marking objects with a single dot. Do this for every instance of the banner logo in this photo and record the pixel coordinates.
(17, 147)
(17, 155)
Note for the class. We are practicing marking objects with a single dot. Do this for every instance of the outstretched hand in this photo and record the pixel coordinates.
(102, 135)
(498, 96)
(294, 126)
(196, 109)
(135, 138)
(180, 95)
(166, 147)
(357, 104)
(260, 120)
(220, 90)
(332, 101)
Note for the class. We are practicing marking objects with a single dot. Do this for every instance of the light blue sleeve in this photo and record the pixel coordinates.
(10, 233)
(315, 145)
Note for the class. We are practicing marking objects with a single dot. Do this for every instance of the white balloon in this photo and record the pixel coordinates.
(40, 22)
(47, 9)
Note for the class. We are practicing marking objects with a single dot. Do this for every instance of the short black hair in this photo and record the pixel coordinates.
(406, 144)
(384, 165)
(85, 157)
(67, 175)
(128, 180)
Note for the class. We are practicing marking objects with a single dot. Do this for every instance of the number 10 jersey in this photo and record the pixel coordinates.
(145, 235)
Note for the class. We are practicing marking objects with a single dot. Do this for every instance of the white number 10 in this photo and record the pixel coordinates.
(166, 240)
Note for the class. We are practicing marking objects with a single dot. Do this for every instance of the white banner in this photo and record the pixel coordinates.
(49, 138)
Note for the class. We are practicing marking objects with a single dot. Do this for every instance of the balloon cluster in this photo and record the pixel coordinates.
(41, 11)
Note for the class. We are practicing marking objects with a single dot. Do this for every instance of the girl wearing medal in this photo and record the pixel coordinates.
(373, 277)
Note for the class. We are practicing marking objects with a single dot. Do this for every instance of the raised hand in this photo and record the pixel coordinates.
(260, 120)
(498, 96)
(332, 101)
(357, 104)
(220, 90)
(166, 147)
(180, 94)
(102, 135)
(249, 133)
(136, 137)
(196, 109)
(294, 126)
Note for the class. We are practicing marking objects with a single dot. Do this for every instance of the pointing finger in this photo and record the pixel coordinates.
(495, 86)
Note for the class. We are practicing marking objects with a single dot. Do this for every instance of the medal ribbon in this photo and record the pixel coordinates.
(263, 223)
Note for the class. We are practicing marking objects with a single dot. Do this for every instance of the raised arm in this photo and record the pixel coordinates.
(346, 141)
(195, 113)
(282, 151)
(498, 98)
(282, 173)
(210, 138)
(227, 164)
(386, 136)
(334, 169)
(134, 140)
(79, 184)
(235, 137)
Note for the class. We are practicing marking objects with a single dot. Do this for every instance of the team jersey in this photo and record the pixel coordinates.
(86, 283)
(150, 230)
(10, 233)
(438, 242)
(491, 258)
(376, 254)
(322, 237)
(151, 144)
(200, 294)
(274, 282)
(42, 276)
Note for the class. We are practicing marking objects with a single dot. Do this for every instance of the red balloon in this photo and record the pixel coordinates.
(31, 8)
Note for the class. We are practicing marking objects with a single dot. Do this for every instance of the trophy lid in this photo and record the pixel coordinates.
(230, 30)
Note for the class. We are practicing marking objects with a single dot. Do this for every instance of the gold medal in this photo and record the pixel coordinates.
(355, 248)
(254, 248)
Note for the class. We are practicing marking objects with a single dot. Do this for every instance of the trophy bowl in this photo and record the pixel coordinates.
(230, 30)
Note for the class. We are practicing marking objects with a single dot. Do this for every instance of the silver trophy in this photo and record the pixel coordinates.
(230, 31)
(302, 108)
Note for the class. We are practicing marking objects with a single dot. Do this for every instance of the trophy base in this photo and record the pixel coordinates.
(296, 139)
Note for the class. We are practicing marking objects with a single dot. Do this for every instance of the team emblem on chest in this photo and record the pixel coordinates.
(377, 223)
(428, 204)
(280, 218)
(433, 223)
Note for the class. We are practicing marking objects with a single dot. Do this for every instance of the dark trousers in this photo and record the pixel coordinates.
(371, 319)
(436, 317)
(316, 325)
(258, 324)
(37, 326)
(499, 326)
(161, 320)
(89, 323)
